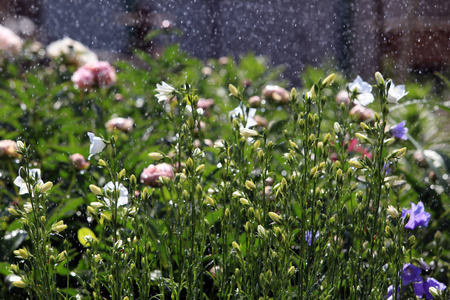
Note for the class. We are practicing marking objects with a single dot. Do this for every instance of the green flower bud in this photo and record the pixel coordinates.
(329, 80)
(19, 284)
(233, 90)
(96, 190)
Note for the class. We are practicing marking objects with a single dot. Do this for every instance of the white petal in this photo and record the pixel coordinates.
(97, 145)
(365, 98)
(19, 181)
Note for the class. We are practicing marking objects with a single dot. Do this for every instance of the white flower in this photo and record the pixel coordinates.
(238, 111)
(74, 52)
(123, 193)
(395, 93)
(164, 91)
(97, 145)
(35, 174)
(363, 90)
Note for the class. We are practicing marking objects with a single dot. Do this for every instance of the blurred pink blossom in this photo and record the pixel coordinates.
(10, 43)
(152, 174)
(8, 148)
(98, 73)
(121, 124)
(79, 162)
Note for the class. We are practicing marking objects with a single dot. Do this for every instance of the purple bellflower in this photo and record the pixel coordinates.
(411, 273)
(399, 131)
(308, 236)
(418, 216)
(422, 287)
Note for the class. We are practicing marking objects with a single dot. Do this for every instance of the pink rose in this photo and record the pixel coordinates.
(10, 43)
(98, 73)
(363, 112)
(8, 148)
(205, 104)
(104, 73)
(79, 162)
(276, 93)
(151, 176)
(121, 124)
(83, 78)
(342, 97)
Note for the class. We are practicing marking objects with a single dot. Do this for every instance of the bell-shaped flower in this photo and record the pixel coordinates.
(399, 131)
(97, 145)
(418, 216)
(363, 91)
(423, 287)
(395, 93)
(411, 273)
(164, 91)
(20, 182)
(123, 193)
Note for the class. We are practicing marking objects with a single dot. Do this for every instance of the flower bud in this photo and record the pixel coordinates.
(329, 80)
(96, 190)
(244, 201)
(379, 78)
(15, 269)
(22, 253)
(236, 247)
(200, 169)
(210, 201)
(388, 231)
(276, 218)
(91, 210)
(102, 163)
(248, 132)
(250, 185)
(21, 145)
(13, 212)
(291, 271)
(313, 172)
(156, 155)
(62, 256)
(393, 212)
(337, 127)
(122, 174)
(356, 164)
(233, 90)
(19, 284)
(434, 291)
(261, 231)
(43, 188)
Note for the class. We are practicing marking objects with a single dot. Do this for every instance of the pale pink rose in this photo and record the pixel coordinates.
(99, 73)
(342, 97)
(205, 104)
(79, 162)
(276, 93)
(72, 51)
(363, 112)
(8, 148)
(83, 78)
(151, 176)
(254, 101)
(10, 43)
(121, 124)
(261, 121)
(104, 73)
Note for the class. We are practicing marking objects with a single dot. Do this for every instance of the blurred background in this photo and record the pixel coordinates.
(356, 37)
